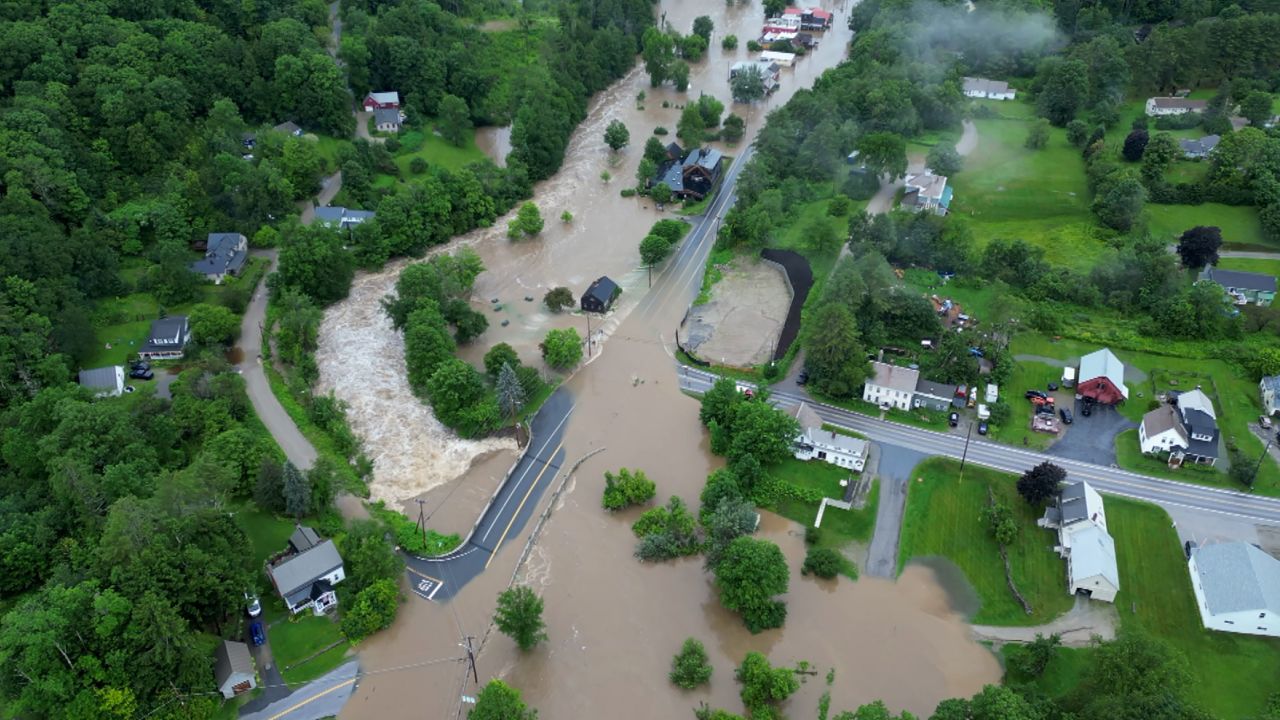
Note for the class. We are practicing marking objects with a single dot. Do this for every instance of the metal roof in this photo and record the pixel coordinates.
(933, 389)
(1093, 552)
(985, 86)
(1104, 363)
(103, 378)
(383, 116)
(1258, 282)
(223, 254)
(299, 571)
(1238, 577)
(231, 657)
(1078, 502)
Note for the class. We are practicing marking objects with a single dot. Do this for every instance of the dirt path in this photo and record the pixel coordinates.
(968, 139)
(1077, 627)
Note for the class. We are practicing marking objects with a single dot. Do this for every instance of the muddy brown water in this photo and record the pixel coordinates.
(614, 623)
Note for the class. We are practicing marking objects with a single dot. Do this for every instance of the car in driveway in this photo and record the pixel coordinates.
(1032, 394)
(802, 378)
(141, 374)
(252, 605)
(982, 428)
(257, 634)
(953, 419)
(1065, 414)
(1086, 407)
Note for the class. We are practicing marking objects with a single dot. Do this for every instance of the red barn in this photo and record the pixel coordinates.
(389, 100)
(1102, 377)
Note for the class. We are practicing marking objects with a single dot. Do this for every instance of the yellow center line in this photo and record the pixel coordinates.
(546, 464)
(317, 696)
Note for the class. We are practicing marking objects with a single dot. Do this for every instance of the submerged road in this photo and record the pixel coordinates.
(1166, 493)
(501, 523)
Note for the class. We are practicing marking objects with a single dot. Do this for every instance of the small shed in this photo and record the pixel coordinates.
(233, 669)
(104, 381)
(600, 296)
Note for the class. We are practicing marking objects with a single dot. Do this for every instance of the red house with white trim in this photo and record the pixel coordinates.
(1102, 377)
(389, 100)
(811, 18)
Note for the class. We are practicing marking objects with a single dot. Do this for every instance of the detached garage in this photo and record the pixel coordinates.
(233, 669)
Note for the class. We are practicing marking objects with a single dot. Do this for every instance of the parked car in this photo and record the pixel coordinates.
(1046, 409)
(140, 365)
(1264, 421)
(140, 374)
(803, 377)
(982, 428)
(953, 419)
(257, 633)
(1053, 387)
(251, 605)
(1036, 394)
(1086, 409)
(1065, 414)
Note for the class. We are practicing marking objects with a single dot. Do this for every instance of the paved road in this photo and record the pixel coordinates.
(892, 436)
(501, 524)
(322, 697)
(296, 447)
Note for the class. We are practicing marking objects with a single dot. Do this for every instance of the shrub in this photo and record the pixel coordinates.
(627, 488)
(823, 562)
(753, 46)
(839, 206)
(418, 165)
(562, 348)
(659, 130)
(628, 192)
(558, 298)
(729, 42)
(690, 668)
(392, 144)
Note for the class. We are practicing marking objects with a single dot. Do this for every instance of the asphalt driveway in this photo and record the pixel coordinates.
(1091, 439)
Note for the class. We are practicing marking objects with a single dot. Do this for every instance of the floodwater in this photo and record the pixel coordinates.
(495, 142)
(613, 622)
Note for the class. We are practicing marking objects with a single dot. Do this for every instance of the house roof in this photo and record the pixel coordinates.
(983, 85)
(1078, 502)
(1104, 363)
(1258, 282)
(389, 96)
(1271, 382)
(830, 438)
(231, 658)
(806, 416)
(1177, 103)
(1093, 552)
(705, 158)
(168, 331)
(1164, 419)
(222, 255)
(671, 174)
(298, 572)
(1196, 400)
(938, 390)
(1202, 146)
(103, 378)
(674, 151)
(1238, 577)
(603, 289)
(330, 214)
(288, 126)
(383, 116)
(303, 538)
(927, 184)
(895, 377)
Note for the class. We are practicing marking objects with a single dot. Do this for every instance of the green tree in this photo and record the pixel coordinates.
(528, 222)
(749, 575)
(747, 85)
(296, 491)
(1038, 135)
(1064, 89)
(511, 395)
(374, 609)
(1256, 107)
(1198, 246)
(497, 356)
(834, 356)
(1040, 483)
(654, 249)
(666, 532)
(368, 556)
(558, 298)
(427, 343)
(213, 324)
(762, 432)
(645, 172)
(773, 8)
(454, 120)
(1000, 521)
(692, 127)
(702, 27)
(727, 515)
(734, 128)
(680, 75)
(943, 159)
(627, 488)
(692, 48)
(616, 135)
(764, 686)
(661, 193)
(655, 151)
(711, 109)
(729, 42)
(1161, 151)
(690, 667)
(1135, 143)
(1034, 657)
(1077, 133)
(562, 348)
(1120, 205)
(884, 153)
(519, 616)
(268, 491)
(658, 55)
(500, 701)
(823, 562)
(461, 399)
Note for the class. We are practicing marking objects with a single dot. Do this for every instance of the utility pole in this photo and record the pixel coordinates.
(422, 520)
(471, 659)
(1254, 477)
(965, 454)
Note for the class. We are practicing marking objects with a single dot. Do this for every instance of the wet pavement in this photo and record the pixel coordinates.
(1093, 438)
(323, 697)
(894, 471)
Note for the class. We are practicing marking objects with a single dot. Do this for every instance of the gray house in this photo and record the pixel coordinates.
(233, 669)
(167, 340)
(387, 119)
(932, 395)
(340, 217)
(224, 255)
(1197, 149)
(305, 573)
(289, 127)
(103, 381)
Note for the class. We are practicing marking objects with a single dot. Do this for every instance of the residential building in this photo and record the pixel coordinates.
(233, 669)
(305, 573)
(104, 381)
(891, 386)
(1081, 521)
(782, 59)
(815, 443)
(600, 295)
(340, 217)
(810, 18)
(1243, 287)
(289, 127)
(1186, 429)
(1199, 149)
(225, 254)
(1102, 378)
(782, 23)
(1157, 106)
(926, 191)
(692, 177)
(933, 396)
(1237, 588)
(386, 119)
(167, 339)
(375, 100)
(770, 73)
(1269, 387)
(987, 89)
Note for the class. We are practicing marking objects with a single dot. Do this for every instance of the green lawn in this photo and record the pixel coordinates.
(943, 520)
(436, 151)
(1017, 431)
(1155, 595)
(267, 533)
(1240, 224)
(1129, 456)
(842, 525)
(1061, 676)
(1187, 171)
(977, 297)
(329, 148)
(292, 641)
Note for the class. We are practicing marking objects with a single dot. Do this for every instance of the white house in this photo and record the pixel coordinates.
(104, 381)
(891, 386)
(167, 340)
(233, 669)
(306, 572)
(926, 191)
(987, 89)
(1270, 388)
(1083, 540)
(341, 217)
(1157, 106)
(1161, 431)
(782, 59)
(387, 119)
(815, 443)
(1186, 429)
(1237, 588)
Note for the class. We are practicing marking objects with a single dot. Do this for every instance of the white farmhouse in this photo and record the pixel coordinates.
(1081, 522)
(987, 89)
(1158, 106)
(891, 386)
(306, 572)
(1237, 588)
(815, 443)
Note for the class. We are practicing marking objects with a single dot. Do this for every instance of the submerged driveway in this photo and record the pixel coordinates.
(501, 523)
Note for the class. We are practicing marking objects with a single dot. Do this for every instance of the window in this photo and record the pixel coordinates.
(1229, 622)
(822, 455)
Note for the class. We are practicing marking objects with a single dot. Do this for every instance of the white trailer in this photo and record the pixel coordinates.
(781, 58)
(1068, 377)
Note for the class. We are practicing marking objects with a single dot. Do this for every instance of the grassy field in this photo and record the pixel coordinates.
(1240, 224)
(329, 148)
(1156, 596)
(843, 526)
(1017, 431)
(943, 519)
(436, 151)
(292, 642)
(1270, 267)
(267, 533)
